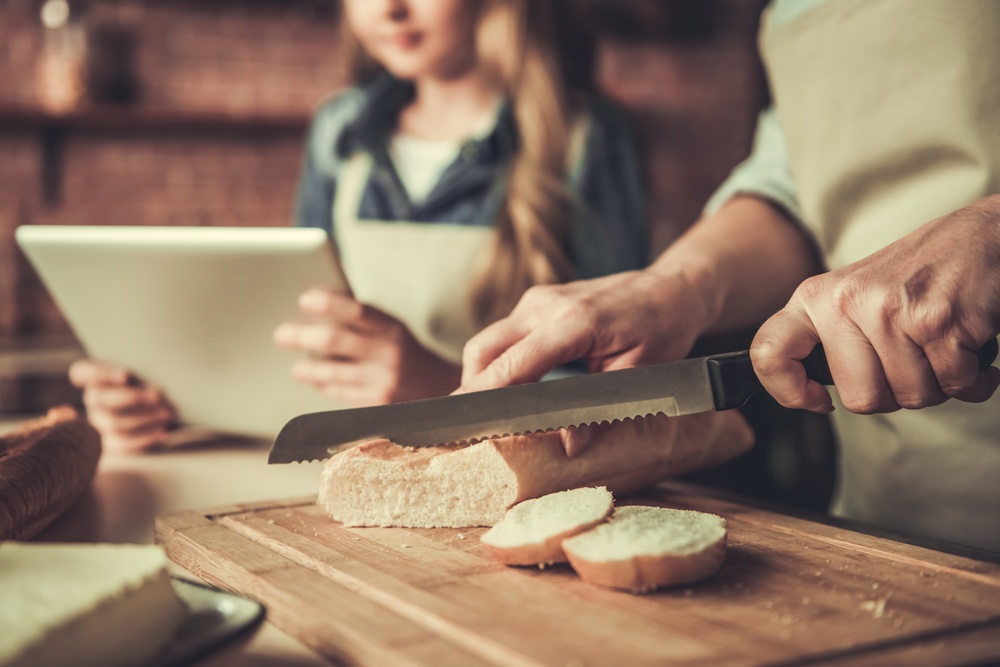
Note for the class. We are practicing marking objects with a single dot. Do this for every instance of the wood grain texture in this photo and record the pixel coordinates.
(791, 592)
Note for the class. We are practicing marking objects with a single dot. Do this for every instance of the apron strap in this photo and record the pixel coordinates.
(577, 145)
(350, 188)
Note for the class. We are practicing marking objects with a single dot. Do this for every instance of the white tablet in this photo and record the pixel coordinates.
(192, 309)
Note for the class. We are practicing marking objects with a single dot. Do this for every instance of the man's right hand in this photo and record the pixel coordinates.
(130, 415)
(900, 327)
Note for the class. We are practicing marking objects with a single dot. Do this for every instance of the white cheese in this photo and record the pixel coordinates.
(77, 605)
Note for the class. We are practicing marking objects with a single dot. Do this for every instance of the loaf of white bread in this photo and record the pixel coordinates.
(383, 484)
(83, 605)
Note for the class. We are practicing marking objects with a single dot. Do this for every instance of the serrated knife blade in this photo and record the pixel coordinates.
(677, 388)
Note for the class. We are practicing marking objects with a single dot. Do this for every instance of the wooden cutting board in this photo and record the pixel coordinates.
(791, 592)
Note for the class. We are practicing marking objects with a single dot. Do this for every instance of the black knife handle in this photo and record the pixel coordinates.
(988, 353)
(734, 380)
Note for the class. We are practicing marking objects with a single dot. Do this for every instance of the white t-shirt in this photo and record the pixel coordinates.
(420, 163)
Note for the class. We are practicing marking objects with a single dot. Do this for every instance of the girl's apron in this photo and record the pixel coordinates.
(420, 273)
(891, 111)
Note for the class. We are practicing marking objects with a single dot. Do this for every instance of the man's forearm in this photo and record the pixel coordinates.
(745, 260)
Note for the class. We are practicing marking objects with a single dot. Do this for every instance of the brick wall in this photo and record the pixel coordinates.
(693, 107)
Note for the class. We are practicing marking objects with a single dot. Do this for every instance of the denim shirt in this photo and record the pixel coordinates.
(610, 230)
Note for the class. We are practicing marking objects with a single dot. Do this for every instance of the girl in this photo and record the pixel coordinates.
(468, 163)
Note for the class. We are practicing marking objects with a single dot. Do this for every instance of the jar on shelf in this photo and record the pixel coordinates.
(61, 73)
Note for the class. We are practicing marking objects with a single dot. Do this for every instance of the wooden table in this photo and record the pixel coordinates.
(129, 492)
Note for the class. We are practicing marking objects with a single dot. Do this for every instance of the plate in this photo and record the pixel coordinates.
(214, 618)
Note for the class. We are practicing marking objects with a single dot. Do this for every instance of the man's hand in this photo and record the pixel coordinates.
(614, 322)
(618, 321)
(129, 414)
(360, 355)
(900, 327)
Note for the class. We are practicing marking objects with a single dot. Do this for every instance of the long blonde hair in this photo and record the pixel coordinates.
(539, 69)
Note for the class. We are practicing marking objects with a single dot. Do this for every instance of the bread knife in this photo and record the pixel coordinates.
(717, 382)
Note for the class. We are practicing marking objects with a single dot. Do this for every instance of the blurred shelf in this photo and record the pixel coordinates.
(38, 356)
(33, 375)
(148, 119)
(52, 130)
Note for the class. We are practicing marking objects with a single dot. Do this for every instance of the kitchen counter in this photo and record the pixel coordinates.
(130, 491)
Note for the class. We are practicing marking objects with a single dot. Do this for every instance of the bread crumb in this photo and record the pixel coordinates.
(461, 536)
(405, 546)
(876, 607)
(270, 522)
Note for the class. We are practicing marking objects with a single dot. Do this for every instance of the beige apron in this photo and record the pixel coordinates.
(891, 111)
(420, 273)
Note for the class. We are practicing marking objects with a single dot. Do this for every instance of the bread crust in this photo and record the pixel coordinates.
(46, 465)
(624, 457)
(643, 574)
(546, 552)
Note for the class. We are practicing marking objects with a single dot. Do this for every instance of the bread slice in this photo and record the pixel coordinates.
(46, 466)
(644, 548)
(85, 604)
(531, 532)
(382, 484)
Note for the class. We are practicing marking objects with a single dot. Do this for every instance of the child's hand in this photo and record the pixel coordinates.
(360, 355)
(130, 415)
